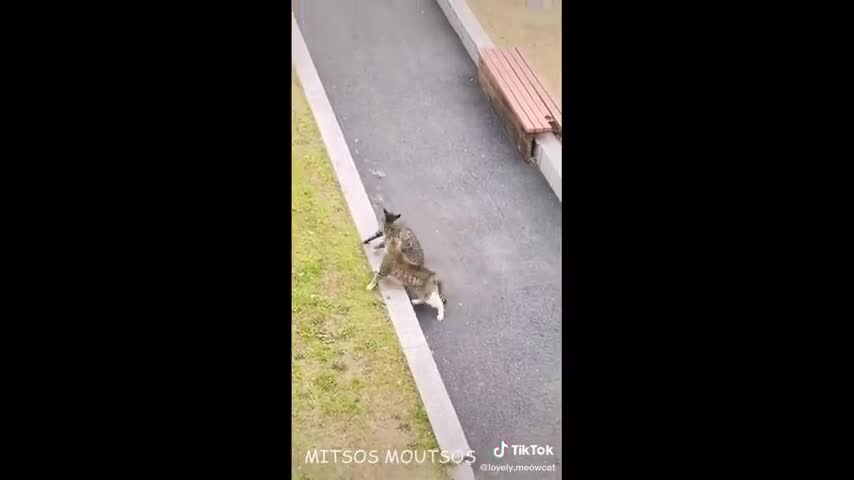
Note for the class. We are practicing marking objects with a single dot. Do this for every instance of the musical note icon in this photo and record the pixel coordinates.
(502, 447)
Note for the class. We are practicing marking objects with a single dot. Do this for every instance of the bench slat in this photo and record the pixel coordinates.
(520, 69)
(509, 91)
(520, 88)
(545, 95)
(489, 70)
(518, 117)
(540, 124)
(521, 140)
(543, 92)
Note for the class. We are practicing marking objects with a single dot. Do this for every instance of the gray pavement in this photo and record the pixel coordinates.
(427, 144)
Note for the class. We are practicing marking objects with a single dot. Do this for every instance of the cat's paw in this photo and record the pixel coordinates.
(440, 317)
(417, 301)
(371, 286)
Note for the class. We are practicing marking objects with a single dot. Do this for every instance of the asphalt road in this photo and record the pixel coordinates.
(428, 145)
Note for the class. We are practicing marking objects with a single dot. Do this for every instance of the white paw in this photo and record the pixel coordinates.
(440, 317)
(416, 301)
(371, 286)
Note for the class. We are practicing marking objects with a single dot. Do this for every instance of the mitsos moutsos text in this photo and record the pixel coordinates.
(387, 456)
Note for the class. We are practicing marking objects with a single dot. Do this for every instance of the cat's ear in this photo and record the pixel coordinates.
(390, 217)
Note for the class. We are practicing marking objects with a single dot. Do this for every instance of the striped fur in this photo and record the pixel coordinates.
(424, 282)
(393, 228)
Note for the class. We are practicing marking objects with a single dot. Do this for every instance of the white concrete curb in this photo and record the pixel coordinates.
(549, 157)
(466, 25)
(437, 403)
(548, 149)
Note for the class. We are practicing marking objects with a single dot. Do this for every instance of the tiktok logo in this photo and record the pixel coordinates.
(523, 450)
(502, 447)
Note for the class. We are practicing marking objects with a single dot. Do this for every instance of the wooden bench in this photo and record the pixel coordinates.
(518, 96)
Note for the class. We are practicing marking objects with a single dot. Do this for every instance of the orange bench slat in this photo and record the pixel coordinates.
(546, 98)
(519, 68)
(498, 84)
(545, 95)
(521, 89)
(504, 82)
(522, 94)
(538, 122)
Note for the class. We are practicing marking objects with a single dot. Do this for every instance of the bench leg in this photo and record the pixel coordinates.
(523, 142)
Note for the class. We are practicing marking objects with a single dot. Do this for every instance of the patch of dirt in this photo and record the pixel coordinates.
(535, 31)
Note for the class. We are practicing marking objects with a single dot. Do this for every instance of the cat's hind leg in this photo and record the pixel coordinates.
(436, 302)
(416, 295)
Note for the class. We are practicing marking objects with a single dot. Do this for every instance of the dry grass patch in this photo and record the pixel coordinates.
(510, 23)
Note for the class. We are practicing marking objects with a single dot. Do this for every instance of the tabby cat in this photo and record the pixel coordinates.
(392, 228)
(424, 282)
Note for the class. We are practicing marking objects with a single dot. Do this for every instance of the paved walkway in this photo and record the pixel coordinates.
(427, 144)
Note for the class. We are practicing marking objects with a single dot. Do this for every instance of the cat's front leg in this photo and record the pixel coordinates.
(385, 268)
(373, 282)
(372, 237)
